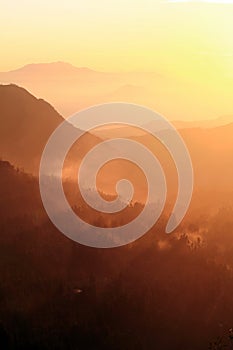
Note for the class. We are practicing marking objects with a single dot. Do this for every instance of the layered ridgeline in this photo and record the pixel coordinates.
(27, 123)
(71, 88)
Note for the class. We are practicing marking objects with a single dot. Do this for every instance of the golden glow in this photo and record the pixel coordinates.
(187, 40)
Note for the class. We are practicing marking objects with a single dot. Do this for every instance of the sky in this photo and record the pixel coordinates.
(189, 40)
(119, 35)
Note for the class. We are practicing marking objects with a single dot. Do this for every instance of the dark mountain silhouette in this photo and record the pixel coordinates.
(26, 124)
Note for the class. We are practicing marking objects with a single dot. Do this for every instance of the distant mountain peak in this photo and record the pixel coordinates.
(50, 67)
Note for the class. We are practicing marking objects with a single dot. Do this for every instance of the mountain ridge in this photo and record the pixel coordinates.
(26, 125)
(50, 65)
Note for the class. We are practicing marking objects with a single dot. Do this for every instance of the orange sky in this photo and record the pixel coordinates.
(188, 40)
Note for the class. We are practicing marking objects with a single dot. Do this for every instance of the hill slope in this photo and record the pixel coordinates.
(26, 124)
